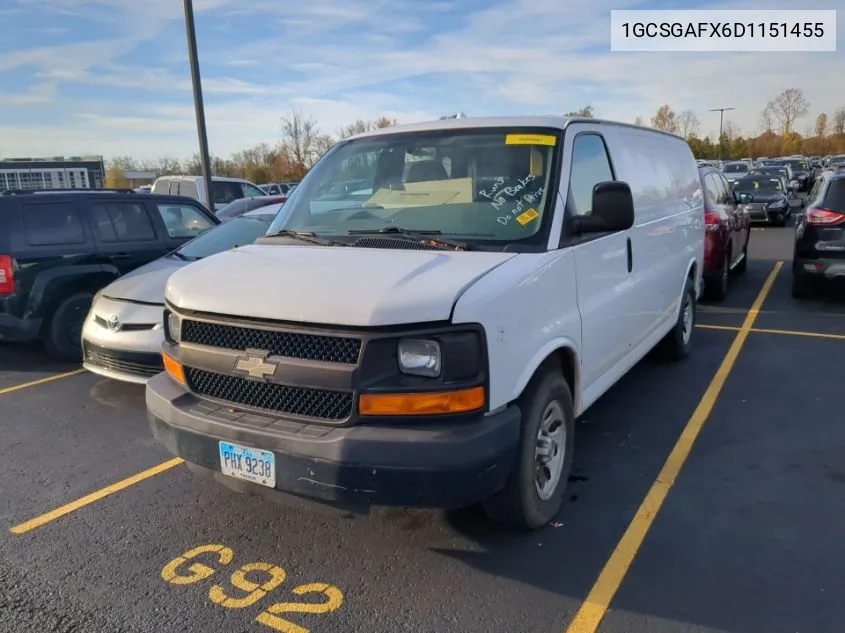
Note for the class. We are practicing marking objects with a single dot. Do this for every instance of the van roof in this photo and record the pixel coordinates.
(555, 122)
(198, 178)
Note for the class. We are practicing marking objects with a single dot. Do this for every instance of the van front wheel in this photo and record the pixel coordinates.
(534, 492)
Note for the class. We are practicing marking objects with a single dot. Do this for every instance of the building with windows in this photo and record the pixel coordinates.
(56, 172)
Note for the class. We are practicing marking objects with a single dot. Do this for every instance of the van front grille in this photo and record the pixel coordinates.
(299, 401)
(328, 349)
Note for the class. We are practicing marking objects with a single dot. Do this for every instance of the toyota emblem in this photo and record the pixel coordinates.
(113, 322)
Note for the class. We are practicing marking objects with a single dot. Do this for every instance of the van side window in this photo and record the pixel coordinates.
(590, 166)
(226, 191)
(51, 223)
(189, 189)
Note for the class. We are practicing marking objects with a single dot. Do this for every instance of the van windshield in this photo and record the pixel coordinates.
(478, 184)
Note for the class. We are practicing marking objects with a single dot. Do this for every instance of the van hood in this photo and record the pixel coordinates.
(146, 283)
(330, 285)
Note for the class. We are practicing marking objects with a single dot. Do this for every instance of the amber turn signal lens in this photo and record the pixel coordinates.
(174, 368)
(422, 403)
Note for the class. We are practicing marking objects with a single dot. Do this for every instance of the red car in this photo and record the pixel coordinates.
(727, 226)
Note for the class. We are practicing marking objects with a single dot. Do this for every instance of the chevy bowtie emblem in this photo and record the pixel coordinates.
(255, 365)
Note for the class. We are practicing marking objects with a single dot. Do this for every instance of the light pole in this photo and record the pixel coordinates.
(198, 107)
(721, 112)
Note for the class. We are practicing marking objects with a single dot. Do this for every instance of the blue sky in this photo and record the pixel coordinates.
(111, 76)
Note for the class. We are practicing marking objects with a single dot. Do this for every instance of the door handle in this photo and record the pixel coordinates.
(630, 256)
(121, 256)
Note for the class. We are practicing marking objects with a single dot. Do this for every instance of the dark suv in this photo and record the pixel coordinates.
(820, 236)
(59, 247)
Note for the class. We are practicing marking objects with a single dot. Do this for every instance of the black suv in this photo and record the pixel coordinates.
(59, 247)
(820, 236)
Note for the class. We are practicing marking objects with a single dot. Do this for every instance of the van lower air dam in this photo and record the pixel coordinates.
(723, 31)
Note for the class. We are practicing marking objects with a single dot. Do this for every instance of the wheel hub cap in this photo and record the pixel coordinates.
(550, 450)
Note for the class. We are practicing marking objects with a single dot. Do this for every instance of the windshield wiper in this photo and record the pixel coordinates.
(422, 235)
(184, 258)
(306, 236)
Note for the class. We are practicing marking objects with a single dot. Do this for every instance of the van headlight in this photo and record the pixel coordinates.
(173, 327)
(419, 357)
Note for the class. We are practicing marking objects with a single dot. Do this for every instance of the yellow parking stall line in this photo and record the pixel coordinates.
(759, 330)
(727, 328)
(592, 611)
(37, 522)
(836, 337)
(40, 381)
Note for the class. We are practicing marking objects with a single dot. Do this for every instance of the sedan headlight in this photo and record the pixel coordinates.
(174, 327)
(780, 204)
(419, 357)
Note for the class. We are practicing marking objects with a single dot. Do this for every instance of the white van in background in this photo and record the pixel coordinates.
(438, 305)
(226, 190)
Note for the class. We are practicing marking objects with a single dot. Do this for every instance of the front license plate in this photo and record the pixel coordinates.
(250, 464)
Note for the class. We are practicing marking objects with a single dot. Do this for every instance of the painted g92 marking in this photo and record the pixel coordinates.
(271, 575)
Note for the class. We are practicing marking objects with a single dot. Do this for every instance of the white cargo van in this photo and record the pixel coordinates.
(226, 190)
(436, 308)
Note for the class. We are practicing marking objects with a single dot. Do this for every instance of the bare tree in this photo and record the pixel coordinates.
(838, 124)
(298, 135)
(665, 119)
(168, 166)
(384, 121)
(688, 124)
(822, 125)
(730, 131)
(358, 127)
(586, 111)
(639, 120)
(767, 118)
(789, 106)
(322, 144)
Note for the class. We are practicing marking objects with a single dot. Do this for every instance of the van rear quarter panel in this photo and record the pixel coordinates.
(668, 232)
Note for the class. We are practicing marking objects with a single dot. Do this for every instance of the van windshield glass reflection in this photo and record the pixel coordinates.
(474, 184)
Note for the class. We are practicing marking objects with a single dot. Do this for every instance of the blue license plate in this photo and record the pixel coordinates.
(249, 464)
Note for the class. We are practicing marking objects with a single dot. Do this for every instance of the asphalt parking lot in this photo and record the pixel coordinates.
(707, 496)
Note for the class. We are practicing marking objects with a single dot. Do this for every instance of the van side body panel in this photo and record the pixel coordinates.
(669, 228)
(582, 296)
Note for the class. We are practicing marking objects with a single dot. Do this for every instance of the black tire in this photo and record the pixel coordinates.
(716, 288)
(743, 263)
(803, 287)
(519, 504)
(677, 344)
(63, 334)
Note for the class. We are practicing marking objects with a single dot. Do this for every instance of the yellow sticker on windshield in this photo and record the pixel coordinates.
(527, 216)
(530, 139)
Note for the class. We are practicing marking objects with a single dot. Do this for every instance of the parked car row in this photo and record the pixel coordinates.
(60, 248)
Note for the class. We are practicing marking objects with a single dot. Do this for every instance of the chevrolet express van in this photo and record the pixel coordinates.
(434, 311)
(224, 190)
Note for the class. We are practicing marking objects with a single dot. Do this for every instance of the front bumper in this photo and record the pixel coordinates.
(442, 466)
(133, 352)
(762, 213)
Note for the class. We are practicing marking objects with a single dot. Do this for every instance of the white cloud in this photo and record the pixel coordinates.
(341, 60)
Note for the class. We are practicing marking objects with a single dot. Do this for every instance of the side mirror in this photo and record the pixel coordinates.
(742, 197)
(613, 209)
